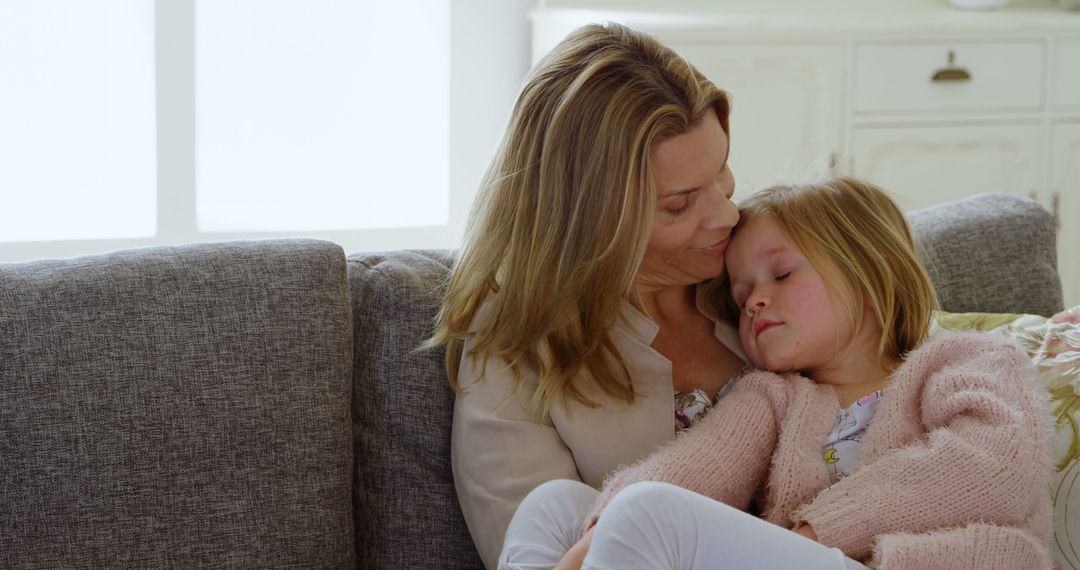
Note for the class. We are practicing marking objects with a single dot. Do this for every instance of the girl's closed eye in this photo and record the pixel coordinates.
(782, 276)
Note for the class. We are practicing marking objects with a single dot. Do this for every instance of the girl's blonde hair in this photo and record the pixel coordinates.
(560, 225)
(854, 231)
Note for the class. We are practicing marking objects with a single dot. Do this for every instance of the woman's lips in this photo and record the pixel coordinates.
(716, 246)
(762, 325)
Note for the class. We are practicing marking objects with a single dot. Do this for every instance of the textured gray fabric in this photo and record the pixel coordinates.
(177, 407)
(407, 515)
(993, 253)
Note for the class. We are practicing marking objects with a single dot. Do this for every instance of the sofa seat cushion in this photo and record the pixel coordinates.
(177, 407)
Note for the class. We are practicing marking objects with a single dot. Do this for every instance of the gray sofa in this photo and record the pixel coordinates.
(264, 404)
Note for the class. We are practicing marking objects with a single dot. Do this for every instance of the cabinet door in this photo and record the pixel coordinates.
(786, 121)
(1066, 94)
(923, 166)
(1065, 202)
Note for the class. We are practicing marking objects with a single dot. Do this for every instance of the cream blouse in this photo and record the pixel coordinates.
(500, 451)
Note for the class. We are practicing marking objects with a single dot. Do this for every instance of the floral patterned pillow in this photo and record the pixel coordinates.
(1054, 347)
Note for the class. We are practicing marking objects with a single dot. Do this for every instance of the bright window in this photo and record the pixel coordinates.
(134, 123)
(77, 120)
(321, 114)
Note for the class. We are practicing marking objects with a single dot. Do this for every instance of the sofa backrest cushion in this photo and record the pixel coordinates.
(407, 514)
(177, 408)
(991, 253)
(407, 511)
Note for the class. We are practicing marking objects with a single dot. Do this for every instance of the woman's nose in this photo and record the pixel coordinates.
(722, 212)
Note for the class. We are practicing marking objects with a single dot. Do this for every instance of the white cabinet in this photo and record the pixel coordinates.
(1065, 204)
(923, 166)
(990, 126)
(784, 104)
(931, 103)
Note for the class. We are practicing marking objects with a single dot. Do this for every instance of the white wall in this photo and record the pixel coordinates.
(490, 55)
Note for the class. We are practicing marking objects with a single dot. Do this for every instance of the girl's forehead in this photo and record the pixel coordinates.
(762, 242)
(762, 235)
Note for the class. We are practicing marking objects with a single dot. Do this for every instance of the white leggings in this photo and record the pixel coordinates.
(655, 525)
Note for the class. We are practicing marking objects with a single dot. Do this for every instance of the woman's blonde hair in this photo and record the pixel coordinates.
(853, 231)
(560, 225)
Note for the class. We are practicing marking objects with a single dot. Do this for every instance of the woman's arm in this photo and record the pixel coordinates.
(500, 451)
(725, 456)
(985, 457)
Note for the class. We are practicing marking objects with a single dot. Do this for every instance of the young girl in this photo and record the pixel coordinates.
(870, 444)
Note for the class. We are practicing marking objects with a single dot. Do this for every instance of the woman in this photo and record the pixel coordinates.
(575, 318)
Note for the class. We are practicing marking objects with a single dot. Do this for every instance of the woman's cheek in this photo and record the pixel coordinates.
(673, 236)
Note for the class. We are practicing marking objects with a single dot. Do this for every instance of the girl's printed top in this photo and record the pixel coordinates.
(841, 450)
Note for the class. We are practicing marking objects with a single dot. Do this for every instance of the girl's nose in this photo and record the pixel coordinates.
(757, 302)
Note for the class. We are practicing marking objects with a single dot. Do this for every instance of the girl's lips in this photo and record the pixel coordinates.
(762, 325)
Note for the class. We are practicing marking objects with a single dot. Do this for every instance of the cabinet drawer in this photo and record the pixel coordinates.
(982, 76)
(1067, 74)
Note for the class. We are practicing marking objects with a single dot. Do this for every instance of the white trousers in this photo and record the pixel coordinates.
(655, 526)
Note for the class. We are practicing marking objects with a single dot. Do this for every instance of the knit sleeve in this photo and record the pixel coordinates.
(724, 456)
(977, 545)
(985, 455)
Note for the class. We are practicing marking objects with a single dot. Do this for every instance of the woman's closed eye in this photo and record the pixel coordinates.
(782, 276)
(679, 204)
(679, 209)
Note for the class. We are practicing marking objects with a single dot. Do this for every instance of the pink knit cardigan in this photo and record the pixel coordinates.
(954, 467)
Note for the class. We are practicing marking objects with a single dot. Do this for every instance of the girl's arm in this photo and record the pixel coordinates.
(725, 455)
(985, 456)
